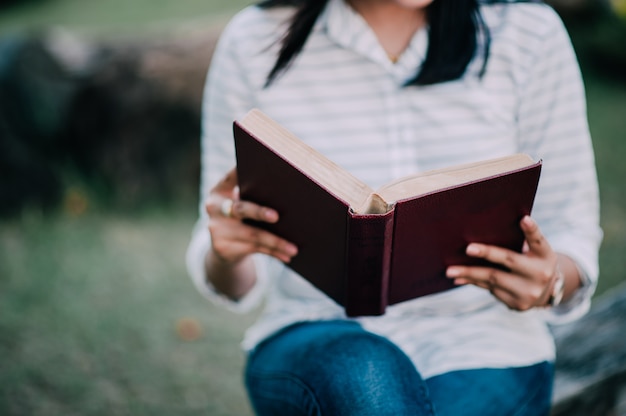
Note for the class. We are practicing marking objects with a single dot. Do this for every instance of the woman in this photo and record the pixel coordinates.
(386, 88)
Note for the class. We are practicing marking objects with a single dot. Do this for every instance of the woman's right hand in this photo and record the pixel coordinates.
(232, 239)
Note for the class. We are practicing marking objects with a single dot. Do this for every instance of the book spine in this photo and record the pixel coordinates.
(368, 262)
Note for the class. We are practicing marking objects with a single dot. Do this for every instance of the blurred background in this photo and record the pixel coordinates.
(99, 145)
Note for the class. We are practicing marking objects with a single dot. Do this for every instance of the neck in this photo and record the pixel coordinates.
(393, 24)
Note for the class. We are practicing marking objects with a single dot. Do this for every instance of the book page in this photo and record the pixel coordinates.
(425, 182)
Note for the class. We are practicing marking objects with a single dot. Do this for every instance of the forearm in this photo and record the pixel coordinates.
(233, 280)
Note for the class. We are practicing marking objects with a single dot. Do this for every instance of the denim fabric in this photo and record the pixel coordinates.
(337, 368)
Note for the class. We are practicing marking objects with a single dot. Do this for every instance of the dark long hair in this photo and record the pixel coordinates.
(455, 28)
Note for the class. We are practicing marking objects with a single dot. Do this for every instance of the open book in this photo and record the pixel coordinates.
(366, 248)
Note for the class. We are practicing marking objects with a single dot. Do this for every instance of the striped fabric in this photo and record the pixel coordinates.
(344, 97)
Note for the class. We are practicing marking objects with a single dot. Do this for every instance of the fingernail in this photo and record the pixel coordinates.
(460, 282)
(271, 215)
(291, 250)
(527, 220)
(453, 272)
(473, 250)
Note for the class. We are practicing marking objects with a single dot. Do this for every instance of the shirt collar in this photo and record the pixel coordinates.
(344, 26)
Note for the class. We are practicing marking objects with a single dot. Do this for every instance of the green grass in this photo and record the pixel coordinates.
(607, 120)
(89, 313)
(115, 16)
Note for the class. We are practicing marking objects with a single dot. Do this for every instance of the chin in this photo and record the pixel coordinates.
(413, 4)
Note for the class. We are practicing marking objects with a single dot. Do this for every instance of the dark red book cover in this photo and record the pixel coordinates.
(310, 217)
(432, 231)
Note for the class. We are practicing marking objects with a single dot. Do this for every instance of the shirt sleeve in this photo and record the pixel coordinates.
(553, 127)
(227, 96)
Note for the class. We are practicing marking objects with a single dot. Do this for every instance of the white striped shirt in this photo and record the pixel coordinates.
(344, 97)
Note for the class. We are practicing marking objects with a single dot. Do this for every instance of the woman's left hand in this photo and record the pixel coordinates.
(530, 277)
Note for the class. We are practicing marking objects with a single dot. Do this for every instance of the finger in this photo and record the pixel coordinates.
(217, 206)
(520, 303)
(268, 243)
(244, 248)
(485, 277)
(537, 243)
(214, 206)
(233, 239)
(227, 183)
(280, 254)
(249, 210)
(497, 255)
(510, 301)
(515, 290)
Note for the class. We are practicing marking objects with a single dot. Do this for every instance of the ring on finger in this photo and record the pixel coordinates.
(227, 208)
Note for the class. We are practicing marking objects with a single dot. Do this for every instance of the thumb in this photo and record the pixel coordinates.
(228, 183)
(535, 240)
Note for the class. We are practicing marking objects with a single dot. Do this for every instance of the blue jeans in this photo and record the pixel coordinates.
(337, 368)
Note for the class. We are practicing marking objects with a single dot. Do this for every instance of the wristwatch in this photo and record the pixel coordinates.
(559, 288)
